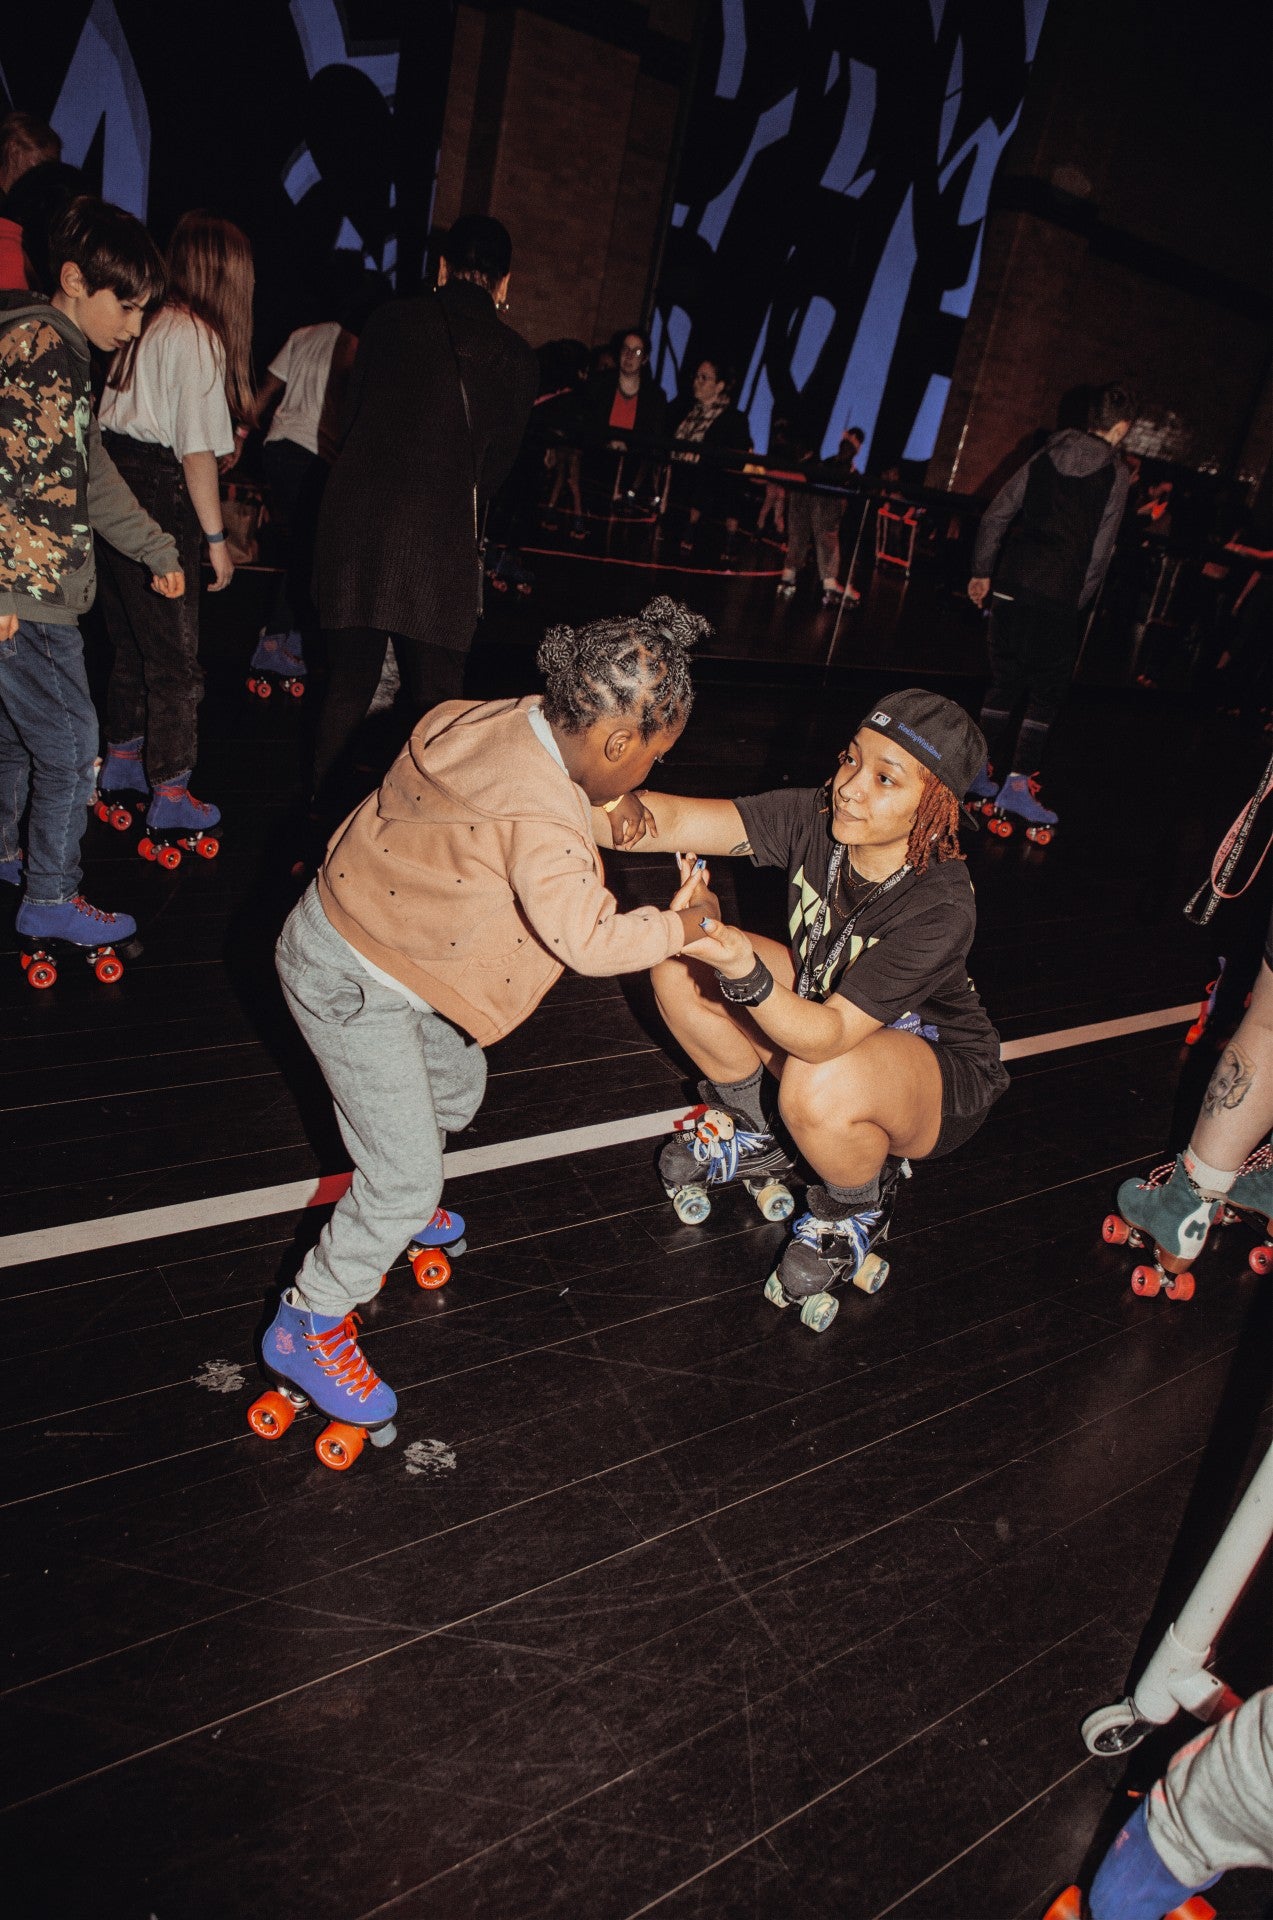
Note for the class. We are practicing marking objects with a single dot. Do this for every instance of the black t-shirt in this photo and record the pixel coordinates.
(907, 953)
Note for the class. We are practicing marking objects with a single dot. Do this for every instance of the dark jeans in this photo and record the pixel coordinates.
(296, 479)
(1032, 655)
(355, 657)
(156, 682)
(48, 746)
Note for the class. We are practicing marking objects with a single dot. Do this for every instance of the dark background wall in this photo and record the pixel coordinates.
(798, 185)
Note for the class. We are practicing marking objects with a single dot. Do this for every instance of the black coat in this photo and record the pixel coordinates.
(395, 545)
(651, 411)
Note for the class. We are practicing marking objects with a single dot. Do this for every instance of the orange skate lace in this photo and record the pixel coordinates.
(91, 913)
(343, 1358)
(1258, 1161)
(441, 1218)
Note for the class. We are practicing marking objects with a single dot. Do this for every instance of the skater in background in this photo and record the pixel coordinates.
(1211, 1811)
(168, 414)
(304, 390)
(813, 520)
(438, 401)
(57, 488)
(1043, 547)
(868, 1020)
(448, 905)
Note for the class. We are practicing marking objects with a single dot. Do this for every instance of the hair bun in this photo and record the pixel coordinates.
(557, 651)
(675, 622)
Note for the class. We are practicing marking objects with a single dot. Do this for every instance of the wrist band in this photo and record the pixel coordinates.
(608, 806)
(215, 539)
(750, 990)
(242, 433)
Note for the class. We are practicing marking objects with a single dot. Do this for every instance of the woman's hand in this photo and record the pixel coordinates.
(222, 566)
(695, 889)
(726, 948)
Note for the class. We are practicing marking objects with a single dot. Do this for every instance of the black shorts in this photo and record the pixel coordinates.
(967, 1095)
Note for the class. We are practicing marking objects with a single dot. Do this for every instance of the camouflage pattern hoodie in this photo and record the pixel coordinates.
(58, 484)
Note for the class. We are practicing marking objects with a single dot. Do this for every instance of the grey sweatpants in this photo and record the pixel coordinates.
(1213, 1808)
(400, 1079)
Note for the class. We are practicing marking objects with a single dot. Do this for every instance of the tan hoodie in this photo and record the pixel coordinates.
(473, 877)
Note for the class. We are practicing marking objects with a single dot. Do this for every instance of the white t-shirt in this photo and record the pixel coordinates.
(304, 363)
(176, 397)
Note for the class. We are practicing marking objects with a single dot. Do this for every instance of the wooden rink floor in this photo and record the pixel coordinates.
(661, 1604)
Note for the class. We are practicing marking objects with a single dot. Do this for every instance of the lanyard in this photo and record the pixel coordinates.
(805, 983)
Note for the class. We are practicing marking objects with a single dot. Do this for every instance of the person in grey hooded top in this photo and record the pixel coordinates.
(1042, 551)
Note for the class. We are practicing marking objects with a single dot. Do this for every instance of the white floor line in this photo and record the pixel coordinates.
(292, 1196)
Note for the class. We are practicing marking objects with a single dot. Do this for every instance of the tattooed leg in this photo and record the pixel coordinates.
(1237, 1109)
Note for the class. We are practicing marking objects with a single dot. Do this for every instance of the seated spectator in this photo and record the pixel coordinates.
(707, 482)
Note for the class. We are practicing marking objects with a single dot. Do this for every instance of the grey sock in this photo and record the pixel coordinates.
(846, 1200)
(743, 1096)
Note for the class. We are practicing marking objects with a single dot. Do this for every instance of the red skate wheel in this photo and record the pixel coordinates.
(108, 969)
(169, 857)
(146, 847)
(430, 1267)
(40, 973)
(121, 819)
(1002, 828)
(338, 1446)
(1146, 1281)
(1041, 836)
(209, 847)
(271, 1415)
(297, 689)
(103, 812)
(263, 689)
(1115, 1231)
(1260, 1260)
(1181, 1286)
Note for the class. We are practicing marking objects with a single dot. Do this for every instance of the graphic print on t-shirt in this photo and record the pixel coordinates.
(808, 912)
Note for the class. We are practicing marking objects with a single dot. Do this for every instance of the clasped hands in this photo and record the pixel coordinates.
(726, 948)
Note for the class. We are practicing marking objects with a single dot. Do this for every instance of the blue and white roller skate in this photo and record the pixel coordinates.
(279, 661)
(123, 791)
(314, 1356)
(824, 1250)
(982, 791)
(1018, 804)
(713, 1145)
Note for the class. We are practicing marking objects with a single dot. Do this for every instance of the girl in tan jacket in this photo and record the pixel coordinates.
(448, 904)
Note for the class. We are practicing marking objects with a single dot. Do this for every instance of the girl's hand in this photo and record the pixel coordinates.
(170, 585)
(695, 888)
(726, 948)
(631, 821)
(222, 566)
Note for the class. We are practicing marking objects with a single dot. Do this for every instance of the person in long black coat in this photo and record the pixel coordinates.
(398, 532)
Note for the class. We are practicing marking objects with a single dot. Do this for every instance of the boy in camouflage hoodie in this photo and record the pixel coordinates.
(58, 486)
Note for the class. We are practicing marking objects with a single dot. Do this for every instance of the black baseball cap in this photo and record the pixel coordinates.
(938, 733)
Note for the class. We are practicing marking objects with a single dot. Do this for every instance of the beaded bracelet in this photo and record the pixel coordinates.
(750, 990)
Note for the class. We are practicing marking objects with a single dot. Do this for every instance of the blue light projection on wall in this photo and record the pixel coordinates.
(830, 205)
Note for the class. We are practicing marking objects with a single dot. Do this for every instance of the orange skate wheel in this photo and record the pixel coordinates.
(1041, 836)
(1146, 1281)
(271, 1415)
(430, 1267)
(169, 857)
(1066, 1906)
(121, 819)
(1181, 1286)
(297, 689)
(1260, 1260)
(102, 810)
(1115, 1230)
(263, 689)
(40, 973)
(146, 847)
(1003, 828)
(209, 847)
(108, 969)
(338, 1445)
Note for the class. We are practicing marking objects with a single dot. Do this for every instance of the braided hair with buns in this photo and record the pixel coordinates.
(634, 667)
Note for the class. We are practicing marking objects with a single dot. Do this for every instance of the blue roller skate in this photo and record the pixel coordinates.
(123, 791)
(713, 1145)
(1252, 1192)
(1018, 802)
(314, 1356)
(982, 791)
(279, 661)
(178, 822)
(508, 572)
(429, 1264)
(824, 1250)
(13, 872)
(73, 928)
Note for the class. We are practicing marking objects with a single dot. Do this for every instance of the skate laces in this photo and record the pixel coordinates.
(441, 1218)
(343, 1359)
(89, 912)
(1258, 1162)
(717, 1142)
(811, 1230)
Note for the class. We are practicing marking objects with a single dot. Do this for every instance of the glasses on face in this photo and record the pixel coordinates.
(630, 352)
